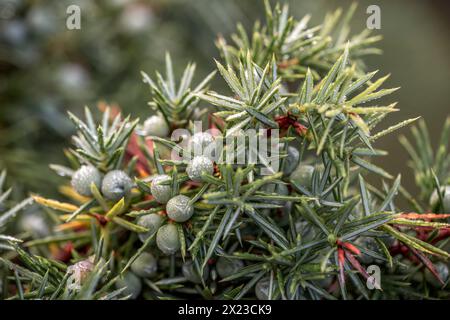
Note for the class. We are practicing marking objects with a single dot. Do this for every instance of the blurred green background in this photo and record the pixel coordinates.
(46, 69)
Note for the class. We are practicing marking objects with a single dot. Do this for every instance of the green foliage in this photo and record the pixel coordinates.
(102, 146)
(308, 238)
(429, 166)
(296, 46)
(8, 212)
(176, 105)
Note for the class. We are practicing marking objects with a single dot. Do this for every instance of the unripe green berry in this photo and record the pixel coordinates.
(302, 175)
(191, 273)
(434, 200)
(145, 265)
(167, 239)
(442, 271)
(226, 267)
(131, 283)
(179, 209)
(156, 125)
(152, 222)
(161, 192)
(84, 177)
(116, 184)
(199, 165)
(291, 161)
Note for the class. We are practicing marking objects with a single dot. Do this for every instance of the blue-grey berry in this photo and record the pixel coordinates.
(152, 222)
(388, 240)
(291, 161)
(226, 267)
(145, 266)
(131, 283)
(156, 125)
(161, 192)
(199, 142)
(84, 177)
(35, 224)
(442, 271)
(302, 175)
(199, 165)
(179, 209)
(262, 288)
(434, 200)
(116, 184)
(167, 239)
(79, 272)
(191, 273)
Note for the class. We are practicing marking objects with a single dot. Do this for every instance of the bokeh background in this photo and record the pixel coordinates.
(46, 69)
